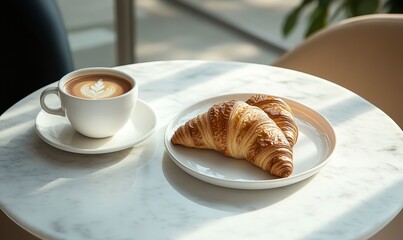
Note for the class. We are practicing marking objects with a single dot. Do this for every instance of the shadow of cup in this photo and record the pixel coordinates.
(220, 198)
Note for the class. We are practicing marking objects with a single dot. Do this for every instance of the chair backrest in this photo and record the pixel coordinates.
(35, 48)
(363, 54)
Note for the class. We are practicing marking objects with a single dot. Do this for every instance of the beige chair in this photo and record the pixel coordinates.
(363, 54)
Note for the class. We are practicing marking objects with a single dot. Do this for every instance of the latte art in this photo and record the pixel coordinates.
(97, 90)
(97, 86)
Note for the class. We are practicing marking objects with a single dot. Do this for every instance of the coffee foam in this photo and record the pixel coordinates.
(97, 86)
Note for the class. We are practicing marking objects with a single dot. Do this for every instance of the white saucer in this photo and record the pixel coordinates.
(57, 131)
(316, 142)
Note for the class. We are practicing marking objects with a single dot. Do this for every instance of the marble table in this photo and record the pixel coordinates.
(139, 193)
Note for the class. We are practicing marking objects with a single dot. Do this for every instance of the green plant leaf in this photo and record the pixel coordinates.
(292, 18)
(318, 18)
(362, 7)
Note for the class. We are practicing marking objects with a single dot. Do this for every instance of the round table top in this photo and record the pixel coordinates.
(140, 193)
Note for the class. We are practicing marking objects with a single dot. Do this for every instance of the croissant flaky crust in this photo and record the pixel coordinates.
(241, 131)
(280, 112)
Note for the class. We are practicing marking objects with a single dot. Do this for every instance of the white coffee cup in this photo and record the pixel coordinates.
(94, 110)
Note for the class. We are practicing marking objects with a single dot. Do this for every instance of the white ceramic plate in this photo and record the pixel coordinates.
(57, 131)
(316, 142)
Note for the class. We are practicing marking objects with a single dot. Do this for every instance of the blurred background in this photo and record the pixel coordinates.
(239, 30)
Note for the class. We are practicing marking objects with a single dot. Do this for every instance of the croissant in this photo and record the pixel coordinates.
(280, 112)
(241, 131)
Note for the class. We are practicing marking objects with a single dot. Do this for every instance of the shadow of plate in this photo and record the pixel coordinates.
(221, 198)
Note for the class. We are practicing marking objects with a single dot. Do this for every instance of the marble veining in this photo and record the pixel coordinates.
(139, 193)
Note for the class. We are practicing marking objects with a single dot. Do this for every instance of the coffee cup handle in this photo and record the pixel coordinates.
(55, 111)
